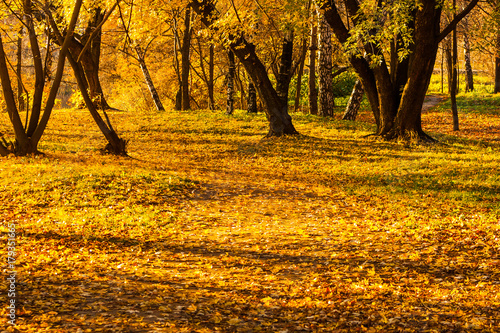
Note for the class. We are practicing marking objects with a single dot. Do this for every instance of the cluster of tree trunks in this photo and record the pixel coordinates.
(28, 135)
(396, 90)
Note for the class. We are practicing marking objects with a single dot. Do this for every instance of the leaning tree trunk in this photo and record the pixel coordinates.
(148, 79)
(326, 98)
(230, 83)
(354, 103)
(86, 50)
(115, 145)
(280, 122)
(313, 90)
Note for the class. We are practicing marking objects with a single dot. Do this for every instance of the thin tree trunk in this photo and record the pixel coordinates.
(284, 74)
(300, 73)
(469, 79)
(326, 98)
(313, 90)
(252, 98)
(19, 71)
(38, 66)
(453, 90)
(354, 103)
(497, 65)
(230, 83)
(185, 60)
(210, 85)
(149, 80)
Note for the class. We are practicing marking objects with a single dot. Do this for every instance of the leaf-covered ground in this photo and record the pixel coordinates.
(209, 227)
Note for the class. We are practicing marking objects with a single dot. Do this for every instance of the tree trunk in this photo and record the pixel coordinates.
(469, 76)
(396, 98)
(497, 64)
(27, 138)
(90, 57)
(284, 74)
(448, 50)
(185, 60)
(230, 83)
(148, 79)
(313, 90)
(280, 122)
(326, 98)
(210, 84)
(38, 67)
(454, 83)
(300, 73)
(354, 103)
(115, 145)
(252, 98)
(19, 70)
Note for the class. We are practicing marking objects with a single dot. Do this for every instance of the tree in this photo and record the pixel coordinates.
(230, 83)
(313, 48)
(352, 108)
(86, 49)
(183, 99)
(280, 122)
(137, 48)
(27, 136)
(326, 98)
(395, 89)
(116, 145)
(469, 76)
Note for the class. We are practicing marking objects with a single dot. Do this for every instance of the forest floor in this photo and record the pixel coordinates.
(208, 227)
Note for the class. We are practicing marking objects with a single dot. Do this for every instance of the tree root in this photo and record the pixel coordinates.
(119, 149)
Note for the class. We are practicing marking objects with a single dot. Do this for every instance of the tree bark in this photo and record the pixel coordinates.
(185, 60)
(210, 84)
(497, 65)
(252, 98)
(230, 83)
(280, 122)
(326, 98)
(300, 73)
(469, 76)
(354, 103)
(448, 50)
(284, 74)
(38, 66)
(19, 70)
(148, 79)
(313, 90)
(454, 83)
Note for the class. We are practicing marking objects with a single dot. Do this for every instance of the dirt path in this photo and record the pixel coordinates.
(432, 101)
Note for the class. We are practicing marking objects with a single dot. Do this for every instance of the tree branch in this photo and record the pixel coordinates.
(457, 19)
